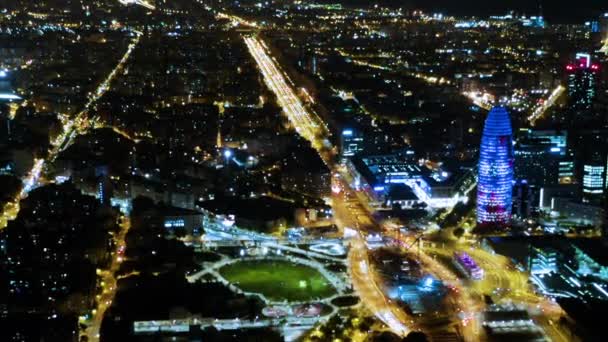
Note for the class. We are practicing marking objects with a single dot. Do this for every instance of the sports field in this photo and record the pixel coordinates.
(278, 280)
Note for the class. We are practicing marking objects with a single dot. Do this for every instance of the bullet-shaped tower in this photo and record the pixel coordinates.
(495, 181)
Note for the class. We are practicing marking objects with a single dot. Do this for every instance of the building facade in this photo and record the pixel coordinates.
(495, 174)
(351, 143)
(582, 82)
(594, 180)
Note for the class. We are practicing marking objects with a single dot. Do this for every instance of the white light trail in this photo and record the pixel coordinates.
(9, 97)
(483, 100)
(604, 48)
(394, 324)
(548, 103)
(138, 2)
(299, 116)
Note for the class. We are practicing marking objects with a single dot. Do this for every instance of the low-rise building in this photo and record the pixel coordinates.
(439, 188)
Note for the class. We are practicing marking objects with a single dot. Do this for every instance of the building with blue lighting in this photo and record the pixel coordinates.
(398, 178)
(541, 157)
(351, 143)
(6, 88)
(495, 177)
(558, 267)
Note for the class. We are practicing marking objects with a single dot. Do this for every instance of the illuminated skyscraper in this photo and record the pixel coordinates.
(582, 82)
(351, 143)
(495, 181)
(594, 179)
(541, 156)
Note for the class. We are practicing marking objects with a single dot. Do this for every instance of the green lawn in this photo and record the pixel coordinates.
(278, 280)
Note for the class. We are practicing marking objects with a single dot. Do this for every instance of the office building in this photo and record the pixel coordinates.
(603, 25)
(495, 178)
(583, 82)
(555, 139)
(565, 173)
(5, 121)
(594, 179)
(525, 200)
(382, 177)
(542, 158)
(542, 260)
(536, 162)
(351, 143)
(104, 186)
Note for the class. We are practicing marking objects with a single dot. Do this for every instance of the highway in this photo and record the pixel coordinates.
(138, 2)
(301, 118)
(502, 281)
(308, 126)
(539, 111)
(365, 283)
(467, 306)
(349, 212)
(482, 100)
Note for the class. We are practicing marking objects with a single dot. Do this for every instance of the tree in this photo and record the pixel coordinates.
(458, 232)
(384, 336)
(180, 232)
(416, 336)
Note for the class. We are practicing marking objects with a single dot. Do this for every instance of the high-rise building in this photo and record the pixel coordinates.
(594, 179)
(603, 25)
(351, 142)
(5, 121)
(565, 173)
(495, 179)
(104, 187)
(539, 155)
(525, 200)
(557, 139)
(582, 82)
(536, 163)
(7, 94)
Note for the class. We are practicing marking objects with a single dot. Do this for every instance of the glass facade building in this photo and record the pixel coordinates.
(582, 82)
(495, 178)
(594, 176)
(351, 143)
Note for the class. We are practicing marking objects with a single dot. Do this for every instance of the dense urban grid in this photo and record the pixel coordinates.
(294, 170)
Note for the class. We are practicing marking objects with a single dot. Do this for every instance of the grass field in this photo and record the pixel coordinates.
(278, 280)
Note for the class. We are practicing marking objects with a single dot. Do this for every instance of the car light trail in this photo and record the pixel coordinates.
(311, 128)
(482, 100)
(604, 48)
(138, 2)
(548, 103)
(292, 106)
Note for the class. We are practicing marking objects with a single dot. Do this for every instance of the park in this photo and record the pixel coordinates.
(278, 280)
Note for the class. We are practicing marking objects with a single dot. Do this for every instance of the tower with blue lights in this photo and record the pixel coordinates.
(495, 179)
